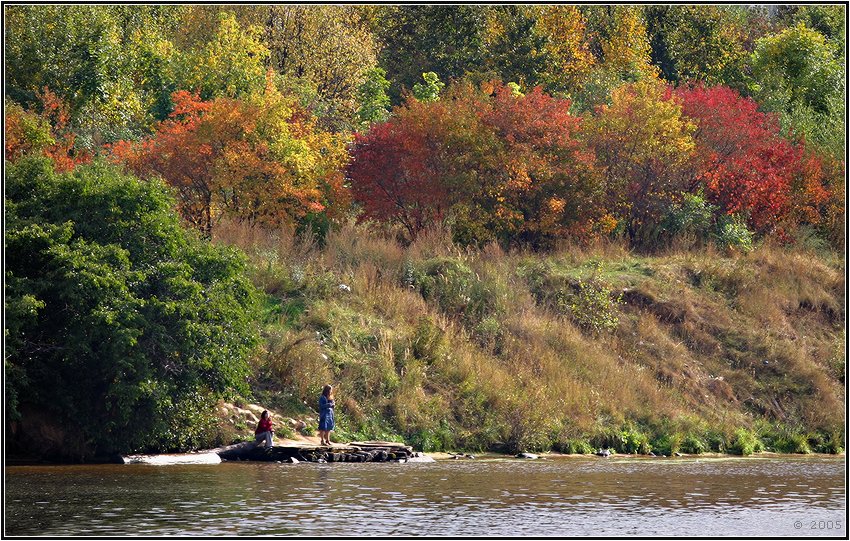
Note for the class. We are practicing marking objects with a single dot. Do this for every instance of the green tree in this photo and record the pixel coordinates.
(372, 97)
(448, 40)
(703, 43)
(232, 64)
(796, 66)
(829, 20)
(122, 328)
(515, 46)
(430, 90)
(796, 73)
(109, 63)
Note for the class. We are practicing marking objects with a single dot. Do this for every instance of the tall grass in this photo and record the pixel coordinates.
(454, 348)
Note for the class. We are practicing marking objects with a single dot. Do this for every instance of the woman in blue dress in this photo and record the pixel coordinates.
(326, 414)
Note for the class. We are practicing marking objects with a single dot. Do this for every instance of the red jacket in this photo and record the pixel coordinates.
(265, 425)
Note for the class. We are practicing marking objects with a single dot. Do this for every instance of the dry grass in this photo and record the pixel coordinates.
(707, 343)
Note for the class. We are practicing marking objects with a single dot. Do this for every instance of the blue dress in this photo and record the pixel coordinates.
(326, 413)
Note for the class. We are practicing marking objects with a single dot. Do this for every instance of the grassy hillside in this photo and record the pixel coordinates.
(689, 351)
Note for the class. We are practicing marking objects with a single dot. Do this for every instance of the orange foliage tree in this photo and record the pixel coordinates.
(48, 133)
(260, 160)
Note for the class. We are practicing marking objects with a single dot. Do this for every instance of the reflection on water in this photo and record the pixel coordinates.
(566, 497)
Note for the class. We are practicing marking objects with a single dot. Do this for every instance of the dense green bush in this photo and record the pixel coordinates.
(121, 325)
(745, 442)
(732, 232)
(591, 305)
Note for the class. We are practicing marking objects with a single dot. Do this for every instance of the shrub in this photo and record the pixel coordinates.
(125, 326)
(633, 441)
(456, 290)
(591, 305)
(693, 445)
(693, 215)
(732, 232)
(745, 443)
(434, 439)
(577, 447)
(668, 444)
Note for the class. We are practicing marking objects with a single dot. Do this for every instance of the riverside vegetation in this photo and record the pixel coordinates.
(511, 228)
(690, 351)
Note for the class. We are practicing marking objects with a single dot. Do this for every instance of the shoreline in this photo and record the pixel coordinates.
(459, 457)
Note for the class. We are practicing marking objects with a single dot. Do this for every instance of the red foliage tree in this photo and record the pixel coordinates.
(548, 175)
(746, 166)
(502, 165)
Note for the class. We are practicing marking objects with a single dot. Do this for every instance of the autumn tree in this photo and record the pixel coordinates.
(617, 39)
(400, 171)
(499, 165)
(258, 160)
(745, 165)
(47, 134)
(543, 184)
(644, 145)
(568, 56)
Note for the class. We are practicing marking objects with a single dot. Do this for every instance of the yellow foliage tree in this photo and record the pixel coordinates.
(644, 146)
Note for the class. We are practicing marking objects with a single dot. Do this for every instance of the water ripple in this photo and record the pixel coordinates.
(566, 497)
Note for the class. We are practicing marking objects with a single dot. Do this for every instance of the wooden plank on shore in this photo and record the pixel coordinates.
(381, 444)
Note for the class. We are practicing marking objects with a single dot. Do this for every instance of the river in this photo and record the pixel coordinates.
(754, 496)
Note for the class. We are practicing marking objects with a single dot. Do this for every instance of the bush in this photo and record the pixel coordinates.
(693, 215)
(591, 305)
(745, 443)
(668, 444)
(732, 232)
(456, 290)
(633, 441)
(577, 447)
(123, 325)
(435, 439)
(693, 445)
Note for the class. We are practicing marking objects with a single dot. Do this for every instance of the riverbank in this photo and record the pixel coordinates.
(690, 351)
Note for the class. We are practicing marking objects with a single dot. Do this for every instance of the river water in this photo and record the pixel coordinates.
(776, 496)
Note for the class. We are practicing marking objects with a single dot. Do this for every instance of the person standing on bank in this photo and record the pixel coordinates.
(264, 430)
(326, 414)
